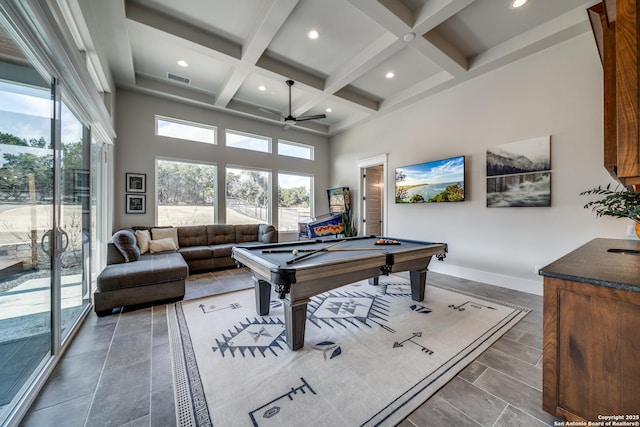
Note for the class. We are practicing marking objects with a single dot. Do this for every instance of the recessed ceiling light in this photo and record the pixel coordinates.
(313, 34)
(328, 110)
(262, 88)
(517, 3)
(390, 75)
(183, 63)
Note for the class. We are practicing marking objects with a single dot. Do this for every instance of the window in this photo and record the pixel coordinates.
(185, 193)
(181, 129)
(294, 200)
(295, 149)
(247, 141)
(248, 196)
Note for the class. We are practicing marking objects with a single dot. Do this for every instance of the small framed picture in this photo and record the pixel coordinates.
(136, 204)
(136, 183)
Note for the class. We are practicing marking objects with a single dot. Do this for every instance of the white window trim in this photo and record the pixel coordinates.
(186, 123)
(252, 135)
(297, 144)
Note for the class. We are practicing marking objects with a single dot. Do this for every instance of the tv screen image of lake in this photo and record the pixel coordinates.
(427, 191)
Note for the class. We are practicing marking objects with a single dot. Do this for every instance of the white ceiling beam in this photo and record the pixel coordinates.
(435, 12)
(263, 32)
(173, 91)
(167, 24)
(556, 30)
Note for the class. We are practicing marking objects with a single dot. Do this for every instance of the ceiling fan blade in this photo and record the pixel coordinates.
(316, 117)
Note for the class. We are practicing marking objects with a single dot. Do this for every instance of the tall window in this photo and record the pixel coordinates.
(185, 193)
(294, 200)
(247, 141)
(295, 149)
(248, 196)
(181, 129)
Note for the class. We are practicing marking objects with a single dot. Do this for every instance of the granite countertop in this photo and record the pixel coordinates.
(593, 263)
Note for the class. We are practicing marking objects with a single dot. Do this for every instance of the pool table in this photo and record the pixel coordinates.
(300, 270)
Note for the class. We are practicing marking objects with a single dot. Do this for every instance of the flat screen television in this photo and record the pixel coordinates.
(431, 182)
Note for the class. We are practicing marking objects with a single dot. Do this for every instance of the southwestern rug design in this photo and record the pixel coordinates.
(371, 355)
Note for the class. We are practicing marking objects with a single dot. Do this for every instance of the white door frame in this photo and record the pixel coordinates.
(380, 160)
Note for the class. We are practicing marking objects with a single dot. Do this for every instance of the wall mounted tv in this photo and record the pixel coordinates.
(431, 182)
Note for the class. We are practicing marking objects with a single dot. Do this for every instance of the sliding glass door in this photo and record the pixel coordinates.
(45, 222)
(26, 218)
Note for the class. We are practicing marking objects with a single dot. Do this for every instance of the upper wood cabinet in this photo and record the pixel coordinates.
(615, 27)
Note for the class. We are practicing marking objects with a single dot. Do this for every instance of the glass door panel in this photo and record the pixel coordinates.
(26, 216)
(75, 208)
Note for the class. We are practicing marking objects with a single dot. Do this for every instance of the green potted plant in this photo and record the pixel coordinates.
(620, 202)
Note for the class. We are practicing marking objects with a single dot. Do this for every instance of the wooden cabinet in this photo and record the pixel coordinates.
(591, 351)
(615, 27)
(591, 332)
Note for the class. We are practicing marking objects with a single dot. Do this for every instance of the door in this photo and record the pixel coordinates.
(26, 216)
(373, 200)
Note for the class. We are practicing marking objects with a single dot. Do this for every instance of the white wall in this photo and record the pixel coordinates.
(137, 148)
(556, 92)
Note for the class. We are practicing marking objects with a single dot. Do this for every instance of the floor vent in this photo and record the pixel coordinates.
(178, 78)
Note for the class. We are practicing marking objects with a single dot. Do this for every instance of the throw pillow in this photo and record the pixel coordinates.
(143, 237)
(162, 245)
(125, 242)
(164, 233)
(267, 233)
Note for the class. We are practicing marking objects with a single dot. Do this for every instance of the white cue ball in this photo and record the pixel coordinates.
(295, 252)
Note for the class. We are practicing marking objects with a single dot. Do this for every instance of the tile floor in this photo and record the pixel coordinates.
(117, 371)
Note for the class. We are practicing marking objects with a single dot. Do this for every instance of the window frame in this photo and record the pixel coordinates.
(297, 144)
(311, 196)
(216, 197)
(158, 117)
(268, 139)
(269, 191)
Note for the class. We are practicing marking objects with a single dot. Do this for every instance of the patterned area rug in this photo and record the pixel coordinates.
(371, 355)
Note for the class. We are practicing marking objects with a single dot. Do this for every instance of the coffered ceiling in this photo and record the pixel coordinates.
(241, 52)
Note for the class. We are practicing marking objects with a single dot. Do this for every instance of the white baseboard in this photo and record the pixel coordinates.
(509, 282)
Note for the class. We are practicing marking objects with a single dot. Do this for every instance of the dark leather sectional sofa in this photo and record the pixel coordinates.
(132, 277)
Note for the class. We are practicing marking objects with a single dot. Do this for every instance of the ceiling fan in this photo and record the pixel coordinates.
(290, 120)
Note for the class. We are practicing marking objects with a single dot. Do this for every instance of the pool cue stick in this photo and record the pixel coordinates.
(308, 254)
(284, 251)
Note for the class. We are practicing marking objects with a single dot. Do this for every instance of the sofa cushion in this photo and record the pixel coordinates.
(195, 235)
(149, 269)
(163, 233)
(222, 251)
(247, 233)
(218, 234)
(190, 253)
(267, 233)
(162, 245)
(125, 242)
(143, 237)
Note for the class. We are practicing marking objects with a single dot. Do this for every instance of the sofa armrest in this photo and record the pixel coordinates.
(113, 255)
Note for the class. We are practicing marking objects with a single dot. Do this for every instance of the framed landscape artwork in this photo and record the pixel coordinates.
(519, 174)
(136, 204)
(136, 183)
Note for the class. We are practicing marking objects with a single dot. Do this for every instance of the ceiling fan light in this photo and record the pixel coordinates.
(289, 121)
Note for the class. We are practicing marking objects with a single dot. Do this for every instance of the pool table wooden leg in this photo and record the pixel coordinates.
(418, 281)
(295, 318)
(263, 296)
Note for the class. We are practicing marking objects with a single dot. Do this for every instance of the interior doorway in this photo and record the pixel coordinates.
(373, 202)
(373, 220)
